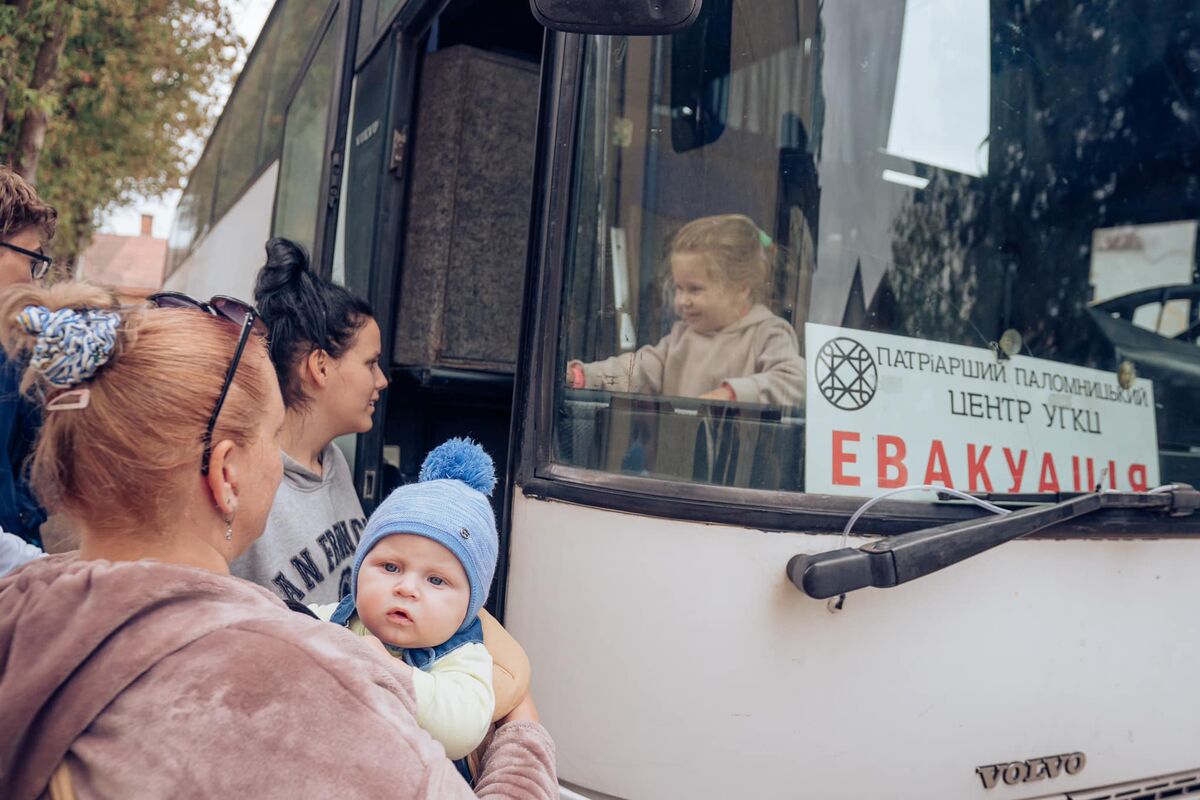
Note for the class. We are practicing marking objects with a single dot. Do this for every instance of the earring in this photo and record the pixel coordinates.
(229, 528)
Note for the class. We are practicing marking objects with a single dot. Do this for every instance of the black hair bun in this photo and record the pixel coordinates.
(286, 267)
(303, 313)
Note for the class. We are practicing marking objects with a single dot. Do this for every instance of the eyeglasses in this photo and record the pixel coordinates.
(235, 311)
(39, 263)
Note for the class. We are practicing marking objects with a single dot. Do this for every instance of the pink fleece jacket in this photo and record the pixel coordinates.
(154, 680)
(758, 356)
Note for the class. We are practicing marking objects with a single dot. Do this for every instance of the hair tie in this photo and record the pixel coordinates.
(71, 345)
(764, 238)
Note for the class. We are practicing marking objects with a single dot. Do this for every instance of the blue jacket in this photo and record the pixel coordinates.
(19, 422)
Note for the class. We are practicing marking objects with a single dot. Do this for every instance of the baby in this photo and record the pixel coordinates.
(421, 574)
(726, 345)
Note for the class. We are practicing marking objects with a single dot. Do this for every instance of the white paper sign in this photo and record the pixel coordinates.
(888, 411)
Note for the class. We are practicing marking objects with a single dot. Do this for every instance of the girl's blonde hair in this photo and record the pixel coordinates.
(741, 253)
(125, 462)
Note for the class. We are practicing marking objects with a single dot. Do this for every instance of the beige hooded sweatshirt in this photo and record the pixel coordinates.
(153, 680)
(758, 356)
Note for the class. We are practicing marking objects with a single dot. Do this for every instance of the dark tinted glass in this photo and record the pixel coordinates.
(240, 157)
(298, 25)
(299, 193)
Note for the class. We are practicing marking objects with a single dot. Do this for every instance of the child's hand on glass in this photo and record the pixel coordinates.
(722, 392)
(575, 378)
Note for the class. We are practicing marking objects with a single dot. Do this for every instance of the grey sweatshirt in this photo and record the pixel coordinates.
(307, 550)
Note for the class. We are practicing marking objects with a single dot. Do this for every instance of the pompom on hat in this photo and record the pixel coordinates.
(448, 504)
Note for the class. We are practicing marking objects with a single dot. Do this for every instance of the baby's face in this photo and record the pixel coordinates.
(412, 591)
(706, 304)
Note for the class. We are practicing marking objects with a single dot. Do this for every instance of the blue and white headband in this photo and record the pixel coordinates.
(71, 345)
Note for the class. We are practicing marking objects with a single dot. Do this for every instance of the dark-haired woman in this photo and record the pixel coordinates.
(325, 345)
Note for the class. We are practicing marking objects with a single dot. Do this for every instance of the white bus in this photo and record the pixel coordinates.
(983, 222)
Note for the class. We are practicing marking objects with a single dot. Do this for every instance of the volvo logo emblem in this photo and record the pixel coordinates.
(846, 374)
(1035, 769)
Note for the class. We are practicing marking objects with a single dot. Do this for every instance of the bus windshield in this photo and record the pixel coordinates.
(842, 247)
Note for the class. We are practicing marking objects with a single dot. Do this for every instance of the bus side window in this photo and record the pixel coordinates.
(303, 146)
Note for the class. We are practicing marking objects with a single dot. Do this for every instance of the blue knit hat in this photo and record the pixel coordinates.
(448, 504)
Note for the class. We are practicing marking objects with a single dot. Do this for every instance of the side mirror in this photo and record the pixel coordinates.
(616, 17)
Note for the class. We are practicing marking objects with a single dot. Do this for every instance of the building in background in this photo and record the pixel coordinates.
(131, 265)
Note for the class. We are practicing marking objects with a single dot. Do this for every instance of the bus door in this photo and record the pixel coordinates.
(371, 214)
(434, 221)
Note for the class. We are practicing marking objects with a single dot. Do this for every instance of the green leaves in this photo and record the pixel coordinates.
(129, 100)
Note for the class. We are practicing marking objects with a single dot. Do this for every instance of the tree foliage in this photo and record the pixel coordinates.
(104, 100)
(1094, 123)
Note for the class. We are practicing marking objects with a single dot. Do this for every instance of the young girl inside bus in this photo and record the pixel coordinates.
(422, 572)
(726, 345)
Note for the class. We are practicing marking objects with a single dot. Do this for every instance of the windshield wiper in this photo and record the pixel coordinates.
(899, 559)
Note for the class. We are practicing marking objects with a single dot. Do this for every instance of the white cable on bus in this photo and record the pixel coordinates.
(962, 496)
(917, 487)
(835, 604)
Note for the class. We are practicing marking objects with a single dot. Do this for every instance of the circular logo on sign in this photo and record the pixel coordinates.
(846, 374)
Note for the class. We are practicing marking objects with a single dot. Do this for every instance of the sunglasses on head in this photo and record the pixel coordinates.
(228, 308)
(39, 263)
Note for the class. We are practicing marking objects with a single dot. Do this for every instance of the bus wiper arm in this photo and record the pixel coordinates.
(899, 559)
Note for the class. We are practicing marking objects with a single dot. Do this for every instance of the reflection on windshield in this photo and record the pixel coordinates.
(1016, 179)
(1132, 258)
(943, 81)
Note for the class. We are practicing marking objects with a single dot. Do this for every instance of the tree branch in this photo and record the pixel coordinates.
(33, 126)
(6, 63)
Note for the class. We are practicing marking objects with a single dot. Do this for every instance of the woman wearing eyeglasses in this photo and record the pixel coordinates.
(139, 666)
(325, 346)
(26, 225)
